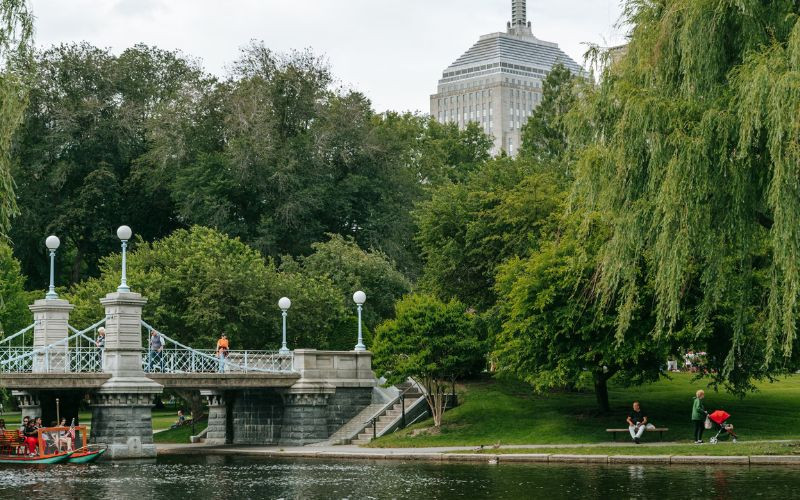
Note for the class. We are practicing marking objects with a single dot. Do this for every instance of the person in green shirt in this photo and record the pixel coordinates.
(699, 414)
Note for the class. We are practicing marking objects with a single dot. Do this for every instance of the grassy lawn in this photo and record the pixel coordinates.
(738, 449)
(179, 435)
(508, 412)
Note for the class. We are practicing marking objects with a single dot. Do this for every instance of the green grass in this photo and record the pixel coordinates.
(179, 435)
(721, 449)
(507, 412)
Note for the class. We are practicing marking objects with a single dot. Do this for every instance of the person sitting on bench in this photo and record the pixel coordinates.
(637, 422)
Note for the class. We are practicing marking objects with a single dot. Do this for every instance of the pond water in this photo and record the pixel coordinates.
(194, 477)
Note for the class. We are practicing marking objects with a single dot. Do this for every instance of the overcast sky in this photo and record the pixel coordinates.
(392, 50)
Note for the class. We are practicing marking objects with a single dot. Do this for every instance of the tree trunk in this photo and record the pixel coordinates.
(601, 390)
(195, 402)
(435, 397)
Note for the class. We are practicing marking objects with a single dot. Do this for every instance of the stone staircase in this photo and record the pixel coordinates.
(411, 394)
(353, 427)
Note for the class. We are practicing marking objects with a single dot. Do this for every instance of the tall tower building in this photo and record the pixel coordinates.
(497, 83)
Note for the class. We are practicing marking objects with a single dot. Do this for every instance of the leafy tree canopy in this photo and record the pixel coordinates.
(432, 341)
(466, 230)
(691, 149)
(16, 40)
(14, 313)
(555, 331)
(350, 268)
(76, 152)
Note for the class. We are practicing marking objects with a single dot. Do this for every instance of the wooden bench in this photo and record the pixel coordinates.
(11, 440)
(660, 430)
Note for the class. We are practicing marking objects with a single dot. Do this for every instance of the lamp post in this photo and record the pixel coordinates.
(359, 298)
(52, 243)
(124, 233)
(284, 304)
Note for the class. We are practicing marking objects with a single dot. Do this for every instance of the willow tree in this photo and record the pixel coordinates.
(16, 32)
(692, 148)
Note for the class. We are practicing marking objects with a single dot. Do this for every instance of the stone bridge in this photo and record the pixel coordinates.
(293, 398)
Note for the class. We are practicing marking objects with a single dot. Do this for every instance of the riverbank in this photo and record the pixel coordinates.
(508, 412)
(501, 456)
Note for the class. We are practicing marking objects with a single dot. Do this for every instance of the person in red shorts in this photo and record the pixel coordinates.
(31, 437)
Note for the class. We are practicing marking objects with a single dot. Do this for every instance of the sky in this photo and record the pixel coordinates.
(393, 51)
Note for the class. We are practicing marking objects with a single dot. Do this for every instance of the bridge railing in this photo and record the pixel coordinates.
(180, 358)
(59, 357)
(204, 361)
(79, 354)
(7, 341)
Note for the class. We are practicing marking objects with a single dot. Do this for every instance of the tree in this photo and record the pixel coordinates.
(16, 40)
(432, 341)
(544, 136)
(350, 268)
(78, 150)
(690, 146)
(200, 283)
(555, 331)
(14, 313)
(466, 230)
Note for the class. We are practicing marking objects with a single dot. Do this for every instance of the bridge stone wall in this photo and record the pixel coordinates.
(257, 417)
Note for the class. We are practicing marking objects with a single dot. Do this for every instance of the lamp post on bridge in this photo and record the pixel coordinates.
(284, 305)
(124, 233)
(359, 298)
(52, 243)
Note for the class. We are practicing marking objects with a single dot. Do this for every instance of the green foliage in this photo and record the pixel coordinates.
(77, 152)
(200, 283)
(14, 313)
(544, 136)
(432, 341)
(466, 230)
(554, 330)
(301, 160)
(16, 42)
(691, 150)
(350, 268)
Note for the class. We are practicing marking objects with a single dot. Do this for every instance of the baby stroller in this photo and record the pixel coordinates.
(724, 429)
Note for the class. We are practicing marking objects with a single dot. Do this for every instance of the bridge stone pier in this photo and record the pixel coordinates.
(122, 406)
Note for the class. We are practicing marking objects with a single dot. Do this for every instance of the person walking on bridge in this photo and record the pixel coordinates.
(155, 352)
(222, 351)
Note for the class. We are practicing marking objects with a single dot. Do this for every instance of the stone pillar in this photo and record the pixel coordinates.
(28, 403)
(305, 416)
(50, 317)
(217, 432)
(122, 407)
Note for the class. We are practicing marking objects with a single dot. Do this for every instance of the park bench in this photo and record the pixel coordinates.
(660, 430)
(11, 441)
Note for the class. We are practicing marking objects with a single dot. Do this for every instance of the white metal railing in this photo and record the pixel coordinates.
(79, 354)
(59, 357)
(21, 334)
(176, 357)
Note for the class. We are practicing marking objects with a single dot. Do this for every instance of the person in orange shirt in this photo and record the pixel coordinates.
(222, 351)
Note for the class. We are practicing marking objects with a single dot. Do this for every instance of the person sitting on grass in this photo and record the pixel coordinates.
(181, 420)
(637, 422)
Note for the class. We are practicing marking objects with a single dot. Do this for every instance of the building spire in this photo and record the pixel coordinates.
(519, 15)
(519, 24)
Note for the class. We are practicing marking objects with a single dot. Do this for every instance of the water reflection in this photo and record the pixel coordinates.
(239, 478)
